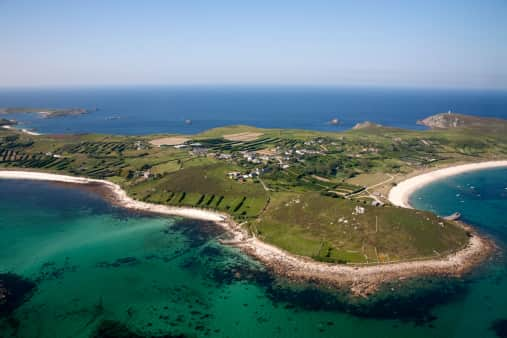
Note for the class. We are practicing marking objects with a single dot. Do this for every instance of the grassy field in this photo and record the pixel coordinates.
(329, 229)
(368, 179)
(291, 204)
(204, 186)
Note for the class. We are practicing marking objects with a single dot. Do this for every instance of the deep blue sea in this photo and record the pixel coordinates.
(147, 110)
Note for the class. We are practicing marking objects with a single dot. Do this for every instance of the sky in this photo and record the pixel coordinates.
(428, 43)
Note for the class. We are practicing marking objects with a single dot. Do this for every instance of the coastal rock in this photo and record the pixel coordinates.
(335, 122)
(443, 121)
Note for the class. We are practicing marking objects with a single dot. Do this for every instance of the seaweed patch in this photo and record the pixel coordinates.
(14, 291)
(115, 329)
(499, 326)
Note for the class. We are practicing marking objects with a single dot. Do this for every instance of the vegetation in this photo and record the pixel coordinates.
(297, 189)
(330, 229)
(204, 186)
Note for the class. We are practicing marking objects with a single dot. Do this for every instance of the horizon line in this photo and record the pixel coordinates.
(250, 85)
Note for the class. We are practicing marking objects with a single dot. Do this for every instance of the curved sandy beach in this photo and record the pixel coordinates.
(23, 130)
(400, 194)
(120, 196)
(362, 280)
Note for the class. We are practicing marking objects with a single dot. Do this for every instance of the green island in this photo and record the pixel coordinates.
(322, 195)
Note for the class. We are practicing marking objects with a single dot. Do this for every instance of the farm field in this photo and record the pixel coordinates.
(203, 187)
(297, 189)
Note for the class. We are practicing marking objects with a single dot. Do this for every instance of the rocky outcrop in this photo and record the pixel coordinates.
(451, 120)
(335, 122)
(365, 125)
(443, 121)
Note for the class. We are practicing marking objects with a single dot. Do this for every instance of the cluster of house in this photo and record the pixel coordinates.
(252, 157)
(283, 157)
(279, 155)
(238, 176)
(139, 145)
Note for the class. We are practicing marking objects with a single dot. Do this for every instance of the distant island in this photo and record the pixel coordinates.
(452, 120)
(46, 112)
(322, 206)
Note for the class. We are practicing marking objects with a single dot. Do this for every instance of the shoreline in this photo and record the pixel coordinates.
(362, 280)
(400, 194)
(22, 130)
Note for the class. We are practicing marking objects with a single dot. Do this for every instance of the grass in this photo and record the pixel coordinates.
(166, 167)
(328, 229)
(367, 180)
(339, 164)
(201, 183)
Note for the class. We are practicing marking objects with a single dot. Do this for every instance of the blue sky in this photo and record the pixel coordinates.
(319, 42)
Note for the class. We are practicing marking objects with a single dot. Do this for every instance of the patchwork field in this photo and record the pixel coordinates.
(204, 187)
(300, 190)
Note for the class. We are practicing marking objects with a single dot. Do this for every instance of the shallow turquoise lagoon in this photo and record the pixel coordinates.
(97, 268)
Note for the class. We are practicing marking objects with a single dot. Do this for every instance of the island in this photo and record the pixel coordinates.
(330, 207)
(46, 112)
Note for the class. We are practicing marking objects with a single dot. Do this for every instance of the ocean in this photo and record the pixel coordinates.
(481, 198)
(94, 266)
(98, 266)
(149, 110)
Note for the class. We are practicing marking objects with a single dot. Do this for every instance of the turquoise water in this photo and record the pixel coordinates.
(93, 263)
(481, 198)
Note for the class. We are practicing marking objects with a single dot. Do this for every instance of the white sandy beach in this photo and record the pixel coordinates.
(361, 279)
(400, 194)
(26, 131)
(121, 196)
